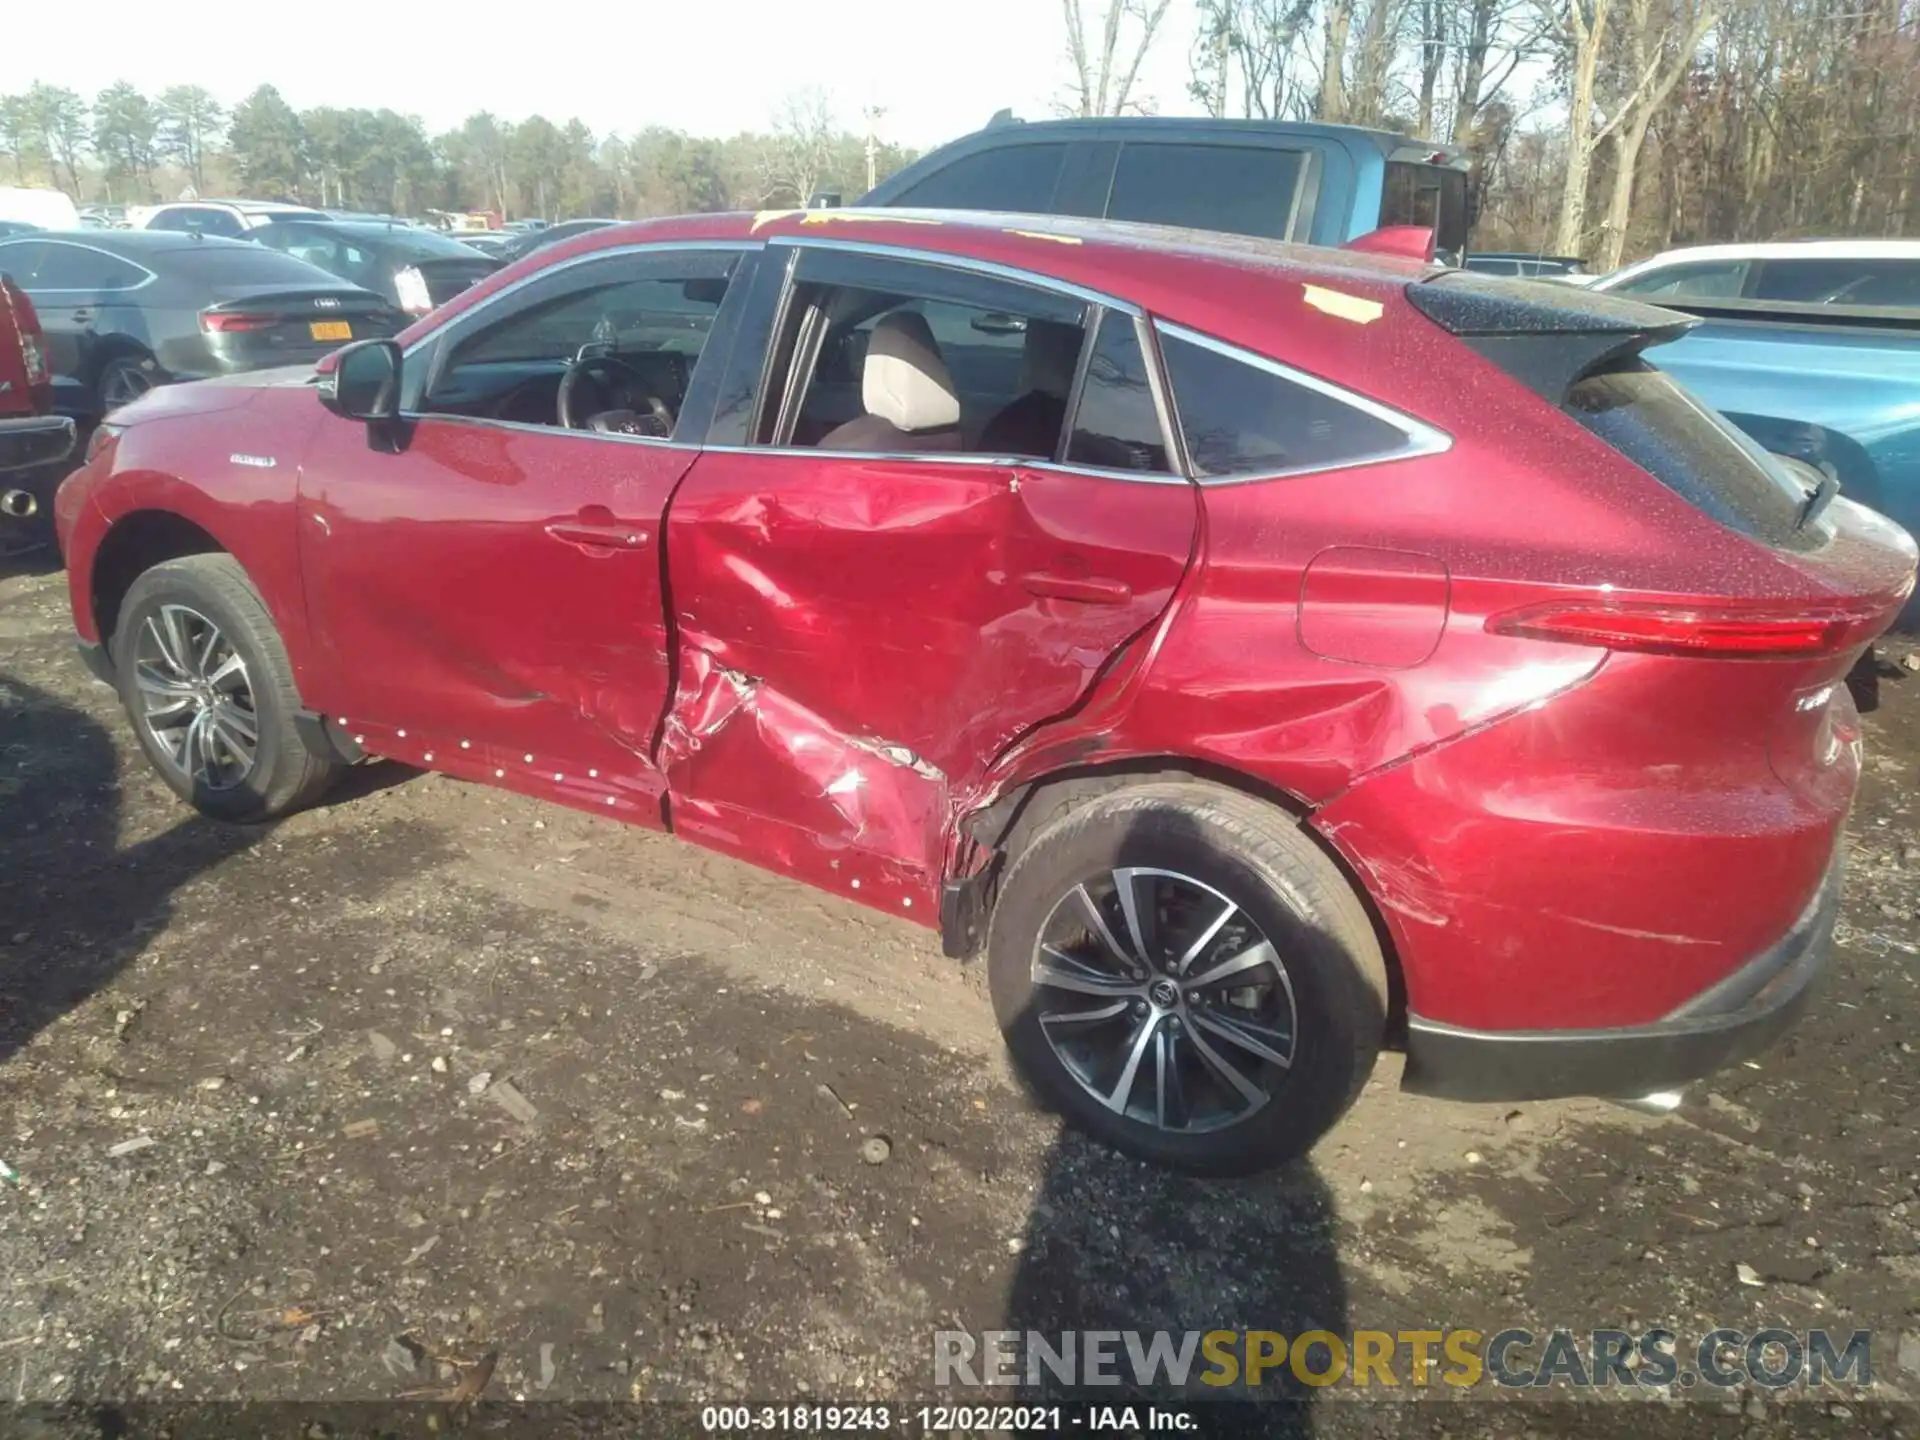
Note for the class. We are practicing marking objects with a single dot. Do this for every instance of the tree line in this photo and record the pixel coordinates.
(125, 147)
(1603, 128)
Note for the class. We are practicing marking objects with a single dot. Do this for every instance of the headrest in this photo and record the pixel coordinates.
(904, 380)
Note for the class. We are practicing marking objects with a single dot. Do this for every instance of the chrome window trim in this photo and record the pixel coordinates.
(54, 238)
(944, 457)
(464, 319)
(459, 324)
(1421, 438)
(992, 268)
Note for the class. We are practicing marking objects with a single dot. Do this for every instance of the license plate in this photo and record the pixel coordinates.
(331, 330)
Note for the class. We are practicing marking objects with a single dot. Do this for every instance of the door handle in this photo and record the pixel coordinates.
(1086, 591)
(597, 531)
(82, 315)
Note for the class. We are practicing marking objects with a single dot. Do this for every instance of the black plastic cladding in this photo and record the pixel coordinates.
(1544, 339)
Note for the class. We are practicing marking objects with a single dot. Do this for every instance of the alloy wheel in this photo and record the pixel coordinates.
(1164, 1000)
(196, 697)
(122, 385)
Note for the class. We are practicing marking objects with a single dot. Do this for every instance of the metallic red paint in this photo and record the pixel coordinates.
(849, 658)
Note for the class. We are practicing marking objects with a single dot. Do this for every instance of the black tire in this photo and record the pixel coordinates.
(284, 776)
(1333, 976)
(125, 378)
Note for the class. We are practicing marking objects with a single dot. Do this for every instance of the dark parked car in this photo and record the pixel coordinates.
(125, 310)
(1320, 184)
(1249, 647)
(494, 244)
(414, 269)
(525, 242)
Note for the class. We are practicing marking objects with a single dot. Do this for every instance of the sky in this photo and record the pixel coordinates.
(939, 68)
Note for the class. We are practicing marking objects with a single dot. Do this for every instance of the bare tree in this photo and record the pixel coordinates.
(1103, 77)
(801, 148)
(1260, 41)
(1663, 37)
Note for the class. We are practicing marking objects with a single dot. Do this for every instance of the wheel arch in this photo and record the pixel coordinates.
(999, 830)
(132, 545)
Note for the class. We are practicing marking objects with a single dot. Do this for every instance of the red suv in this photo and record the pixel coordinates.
(1262, 652)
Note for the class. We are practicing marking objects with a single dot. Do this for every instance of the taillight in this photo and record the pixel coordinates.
(411, 288)
(26, 321)
(228, 322)
(1707, 630)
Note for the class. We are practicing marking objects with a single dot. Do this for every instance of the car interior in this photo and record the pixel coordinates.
(615, 359)
(896, 373)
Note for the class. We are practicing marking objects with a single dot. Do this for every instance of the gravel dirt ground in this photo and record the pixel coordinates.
(331, 1111)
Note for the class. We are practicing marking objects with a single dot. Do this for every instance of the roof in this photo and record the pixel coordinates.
(1788, 250)
(1143, 125)
(136, 243)
(1150, 265)
(249, 207)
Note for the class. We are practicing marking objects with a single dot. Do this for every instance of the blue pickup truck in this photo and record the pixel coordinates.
(1317, 184)
(1811, 347)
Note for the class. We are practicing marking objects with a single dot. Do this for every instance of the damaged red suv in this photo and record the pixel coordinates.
(1263, 653)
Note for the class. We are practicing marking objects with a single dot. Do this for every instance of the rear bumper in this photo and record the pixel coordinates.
(33, 441)
(1738, 1017)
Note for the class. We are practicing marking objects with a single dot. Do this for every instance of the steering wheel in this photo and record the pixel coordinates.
(605, 371)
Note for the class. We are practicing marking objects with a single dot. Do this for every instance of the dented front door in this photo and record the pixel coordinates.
(858, 638)
(491, 596)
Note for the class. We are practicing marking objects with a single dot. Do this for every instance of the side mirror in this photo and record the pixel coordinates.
(362, 381)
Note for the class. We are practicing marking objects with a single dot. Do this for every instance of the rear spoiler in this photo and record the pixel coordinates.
(1546, 336)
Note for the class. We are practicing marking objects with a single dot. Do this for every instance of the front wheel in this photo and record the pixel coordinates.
(206, 681)
(1181, 971)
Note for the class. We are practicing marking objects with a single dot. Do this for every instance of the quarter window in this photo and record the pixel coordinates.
(1241, 418)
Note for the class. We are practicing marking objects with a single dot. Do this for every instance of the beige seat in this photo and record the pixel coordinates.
(907, 390)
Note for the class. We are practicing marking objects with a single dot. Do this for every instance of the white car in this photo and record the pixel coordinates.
(1805, 272)
(230, 219)
(38, 206)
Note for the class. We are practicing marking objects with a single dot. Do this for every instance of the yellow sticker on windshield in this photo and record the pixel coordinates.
(1344, 306)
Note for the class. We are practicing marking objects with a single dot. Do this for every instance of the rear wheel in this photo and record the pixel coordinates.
(1182, 972)
(124, 379)
(206, 681)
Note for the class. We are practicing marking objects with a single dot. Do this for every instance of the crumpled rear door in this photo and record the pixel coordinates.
(859, 638)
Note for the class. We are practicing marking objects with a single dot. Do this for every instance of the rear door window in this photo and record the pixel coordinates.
(1017, 178)
(1239, 189)
(1819, 281)
(1689, 448)
(75, 267)
(203, 219)
(1699, 280)
(1243, 417)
